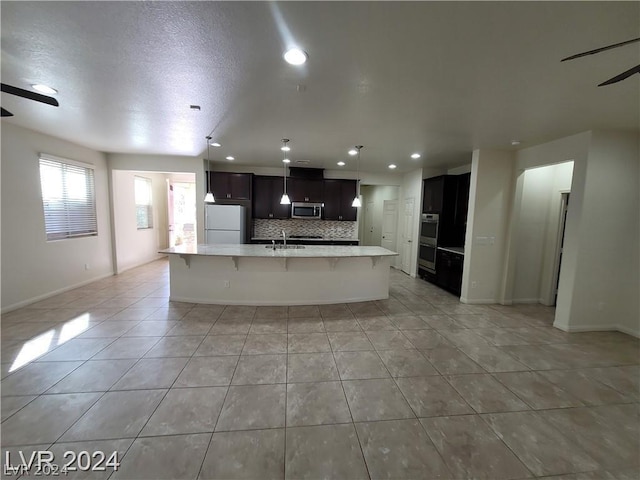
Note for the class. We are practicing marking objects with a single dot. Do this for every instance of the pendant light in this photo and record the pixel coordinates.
(356, 201)
(285, 198)
(209, 198)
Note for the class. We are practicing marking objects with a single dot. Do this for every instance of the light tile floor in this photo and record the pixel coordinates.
(417, 386)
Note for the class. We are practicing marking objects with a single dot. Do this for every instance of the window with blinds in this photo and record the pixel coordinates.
(144, 214)
(68, 198)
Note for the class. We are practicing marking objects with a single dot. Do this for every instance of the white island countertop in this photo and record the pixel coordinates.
(255, 275)
(261, 251)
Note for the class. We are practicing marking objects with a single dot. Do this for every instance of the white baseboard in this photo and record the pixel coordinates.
(140, 263)
(478, 301)
(44, 296)
(525, 300)
(628, 331)
(268, 303)
(598, 328)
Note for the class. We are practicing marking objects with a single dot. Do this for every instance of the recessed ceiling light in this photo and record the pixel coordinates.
(216, 144)
(44, 89)
(353, 152)
(392, 166)
(295, 56)
(285, 148)
(341, 164)
(415, 155)
(286, 160)
(515, 143)
(230, 158)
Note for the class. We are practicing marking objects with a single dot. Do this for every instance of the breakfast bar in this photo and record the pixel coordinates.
(264, 275)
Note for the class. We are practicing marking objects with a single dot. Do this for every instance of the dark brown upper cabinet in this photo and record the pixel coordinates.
(338, 196)
(448, 196)
(305, 190)
(267, 192)
(433, 189)
(462, 201)
(231, 186)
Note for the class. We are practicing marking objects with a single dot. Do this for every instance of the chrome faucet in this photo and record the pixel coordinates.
(284, 238)
(274, 244)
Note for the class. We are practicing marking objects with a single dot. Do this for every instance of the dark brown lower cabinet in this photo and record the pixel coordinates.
(449, 271)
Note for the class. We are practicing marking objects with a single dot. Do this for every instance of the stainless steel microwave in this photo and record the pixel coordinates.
(306, 210)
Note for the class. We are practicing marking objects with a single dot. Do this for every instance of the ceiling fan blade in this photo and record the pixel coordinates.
(6, 113)
(20, 92)
(602, 49)
(622, 76)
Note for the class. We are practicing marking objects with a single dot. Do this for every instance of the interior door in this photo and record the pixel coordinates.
(368, 223)
(389, 226)
(407, 235)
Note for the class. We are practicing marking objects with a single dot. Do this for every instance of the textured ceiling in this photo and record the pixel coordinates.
(440, 78)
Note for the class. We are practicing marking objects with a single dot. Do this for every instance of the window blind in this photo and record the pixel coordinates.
(68, 198)
(144, 213)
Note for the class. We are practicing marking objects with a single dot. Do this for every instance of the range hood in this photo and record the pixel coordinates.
(300, 172)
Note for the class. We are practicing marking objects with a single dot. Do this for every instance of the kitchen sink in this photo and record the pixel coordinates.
(281, 247)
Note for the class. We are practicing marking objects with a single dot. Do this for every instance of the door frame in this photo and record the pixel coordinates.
(557, 263)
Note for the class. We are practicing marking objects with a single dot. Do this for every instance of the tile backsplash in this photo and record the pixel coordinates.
(263, 228)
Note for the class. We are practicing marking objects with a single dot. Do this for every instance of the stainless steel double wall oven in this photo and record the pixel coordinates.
(428, 241)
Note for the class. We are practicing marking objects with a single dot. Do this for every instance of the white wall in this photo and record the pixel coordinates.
(433, 172)
(599, 282)
(537, 231)
(376, 194)
(574, 148)
(486, 243)
(135, 247)
(33, 268)
(166, 164)
(601, 275)
(462, 169)
(495, 199)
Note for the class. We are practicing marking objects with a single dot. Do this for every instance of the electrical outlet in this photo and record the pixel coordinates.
(86, 266)
(474, 284)
(227, 284)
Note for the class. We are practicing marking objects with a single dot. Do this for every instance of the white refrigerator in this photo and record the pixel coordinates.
(224, 224)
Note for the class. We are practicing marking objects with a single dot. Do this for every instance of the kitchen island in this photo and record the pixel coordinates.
(261, 275)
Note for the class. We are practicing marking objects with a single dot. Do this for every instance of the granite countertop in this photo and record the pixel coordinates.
(309, 251)
(457, 250)
(323, 239)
